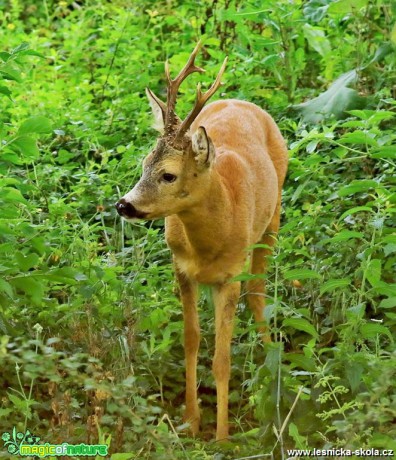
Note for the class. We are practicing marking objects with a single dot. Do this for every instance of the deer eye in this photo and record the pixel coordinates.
(167, 177)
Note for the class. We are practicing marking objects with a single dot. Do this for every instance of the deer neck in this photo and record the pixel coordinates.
(206, 224)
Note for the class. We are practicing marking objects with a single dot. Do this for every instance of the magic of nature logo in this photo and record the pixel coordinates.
(27, 444)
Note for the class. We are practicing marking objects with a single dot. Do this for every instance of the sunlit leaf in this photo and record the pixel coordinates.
(37, 124)
(4, 90)
(346, 6)
(358, 137)
(27, 146)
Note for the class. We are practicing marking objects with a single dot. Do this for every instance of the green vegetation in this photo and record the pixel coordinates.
(91, 331)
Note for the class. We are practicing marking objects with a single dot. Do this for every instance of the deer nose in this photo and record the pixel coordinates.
(125, 209)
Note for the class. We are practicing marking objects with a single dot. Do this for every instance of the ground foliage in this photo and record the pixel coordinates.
(91, 331)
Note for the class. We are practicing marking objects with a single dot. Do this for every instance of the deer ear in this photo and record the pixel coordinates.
(203, 148)
(158, 108)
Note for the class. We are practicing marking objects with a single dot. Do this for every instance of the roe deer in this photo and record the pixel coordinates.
(217, 178)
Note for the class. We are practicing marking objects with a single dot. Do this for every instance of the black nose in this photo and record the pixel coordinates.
(125, 209)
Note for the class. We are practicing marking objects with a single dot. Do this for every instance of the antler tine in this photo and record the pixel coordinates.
(201, 100)
(174, 84)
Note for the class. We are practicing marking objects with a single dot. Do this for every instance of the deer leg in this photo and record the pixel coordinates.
(256, 287)
(225, 299)
(189, 298)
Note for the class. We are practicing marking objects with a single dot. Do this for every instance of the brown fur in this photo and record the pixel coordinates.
(240, 205)
(225, 199)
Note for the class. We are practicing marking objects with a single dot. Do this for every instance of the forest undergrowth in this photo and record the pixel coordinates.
(90, 328)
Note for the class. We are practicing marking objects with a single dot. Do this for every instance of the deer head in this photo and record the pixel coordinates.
(175, 173)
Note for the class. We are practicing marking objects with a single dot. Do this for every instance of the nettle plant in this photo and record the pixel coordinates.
(26, 274)
(332, 279)
(341, 218)
(67, 263)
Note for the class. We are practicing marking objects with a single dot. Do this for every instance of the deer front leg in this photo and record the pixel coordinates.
(189, 298)
(225, 299)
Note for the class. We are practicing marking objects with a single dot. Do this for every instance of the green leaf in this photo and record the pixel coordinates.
(332, 285)
(273, 357)
(37, 124)
(4, 56)
(4, 90)
(316, 38)
(301, 324)
(301, 274)
(315, 10)
(12, 158)
(5, 412)
(373, 272)
(27, 146)
(386, 289)
(388, 151)
(393, 34)
(336, 101)
(22, 47)
(354, 373)
(388, 303)
(341, 7)
(358, 137)
(12, 195)
(389, 249)
(389, 239)
(301, 361)
(344, 235)
(383, 51)
(64, 275)
(11, 72)
(19, 404)
(31, 53)
(357, 186)
(30, 286)
(355, 210)
(299, 440)
(64, 156)
(371, 330)
(6, 287)
(25, 263)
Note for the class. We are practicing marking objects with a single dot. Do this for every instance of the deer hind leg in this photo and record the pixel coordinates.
(189, 298)
(225, 298)
(256, 287)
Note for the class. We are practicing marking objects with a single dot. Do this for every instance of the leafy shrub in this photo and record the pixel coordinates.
(91, 345)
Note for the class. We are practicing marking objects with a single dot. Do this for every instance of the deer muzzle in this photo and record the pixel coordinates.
(126, 210)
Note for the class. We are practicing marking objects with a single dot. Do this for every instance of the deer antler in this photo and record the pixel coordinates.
(171, 119)
(174, 85)
(201, 100)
